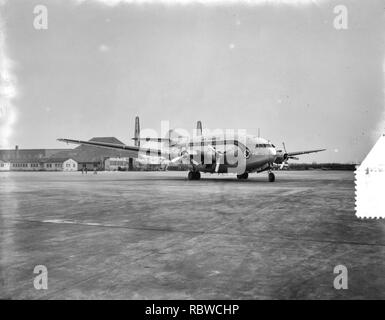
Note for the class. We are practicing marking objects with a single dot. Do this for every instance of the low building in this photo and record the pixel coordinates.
(118, 164)
(5, 165)
(25, 165)
(48, 164)
(59, 164)
(150, 163)
(25, 159)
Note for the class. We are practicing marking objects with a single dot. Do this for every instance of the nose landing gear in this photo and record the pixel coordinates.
(194, 175)
(271, 177)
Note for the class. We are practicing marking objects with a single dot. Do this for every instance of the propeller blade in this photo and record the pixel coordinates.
(194, 162)
(213, 149)
(218, 157)
(185, 155)
(177, 159)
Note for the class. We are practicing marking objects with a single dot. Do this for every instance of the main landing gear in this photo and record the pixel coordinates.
(271, 177)
(243, 176)
(194, 175)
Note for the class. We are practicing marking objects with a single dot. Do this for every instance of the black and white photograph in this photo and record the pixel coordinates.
(211, 150)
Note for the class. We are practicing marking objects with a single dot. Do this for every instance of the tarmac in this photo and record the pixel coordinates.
(156, 235)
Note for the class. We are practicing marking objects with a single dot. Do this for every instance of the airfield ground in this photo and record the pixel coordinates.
(156, 235)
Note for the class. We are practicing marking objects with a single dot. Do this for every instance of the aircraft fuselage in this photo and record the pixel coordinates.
(256, 153)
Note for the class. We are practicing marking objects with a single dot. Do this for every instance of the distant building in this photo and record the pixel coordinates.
(5, 165)
(150, 163)
(25, 159)
(28, 154)
(36, 160)
(91, 157)
(81, 157)
(118, 164)
(50, 164)
(25, 165)
(59, 164)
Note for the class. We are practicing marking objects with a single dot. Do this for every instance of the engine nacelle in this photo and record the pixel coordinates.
(281, 157)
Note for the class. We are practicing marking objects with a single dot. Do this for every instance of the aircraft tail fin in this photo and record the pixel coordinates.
(199, 128)
(137, 132)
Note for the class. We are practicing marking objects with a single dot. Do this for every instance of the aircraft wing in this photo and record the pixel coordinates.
(134, 150)
(291, 154)
(152, 139)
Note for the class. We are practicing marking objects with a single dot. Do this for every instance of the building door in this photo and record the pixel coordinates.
(130, 164)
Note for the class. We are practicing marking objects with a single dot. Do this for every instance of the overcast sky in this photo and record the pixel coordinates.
(284, 69)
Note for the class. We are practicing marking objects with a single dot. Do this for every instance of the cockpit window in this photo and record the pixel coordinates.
(263, 145)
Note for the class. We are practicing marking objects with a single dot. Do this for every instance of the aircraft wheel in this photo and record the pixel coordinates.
(244, 175)
(271, 177)
(194, 175)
